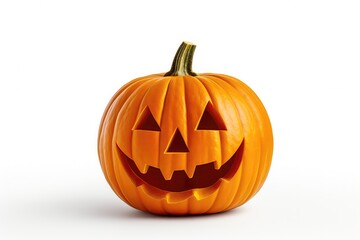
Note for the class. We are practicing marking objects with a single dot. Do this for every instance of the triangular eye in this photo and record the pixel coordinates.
(211, 119)
(147, 121)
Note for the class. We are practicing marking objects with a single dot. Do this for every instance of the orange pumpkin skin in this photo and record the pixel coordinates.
(164, 142)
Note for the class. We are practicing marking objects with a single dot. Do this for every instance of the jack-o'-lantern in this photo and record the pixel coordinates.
(185, 143)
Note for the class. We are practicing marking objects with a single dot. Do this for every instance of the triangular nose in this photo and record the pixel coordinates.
(177, 143)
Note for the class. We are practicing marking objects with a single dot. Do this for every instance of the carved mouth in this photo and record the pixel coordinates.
(205, 175)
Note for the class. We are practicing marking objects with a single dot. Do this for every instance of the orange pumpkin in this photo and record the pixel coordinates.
(185, 143)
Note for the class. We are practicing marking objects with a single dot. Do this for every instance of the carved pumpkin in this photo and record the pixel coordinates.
(185, 143)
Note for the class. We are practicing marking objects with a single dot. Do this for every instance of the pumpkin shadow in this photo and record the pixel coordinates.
(101, 208)
(131, 213)
(136, 214)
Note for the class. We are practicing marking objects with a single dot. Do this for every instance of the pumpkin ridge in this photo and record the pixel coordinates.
(261, 112)
(186, 118)
(126, 104)
(212, 78)
(200, 80)
(156, 80)
(192, 87)
(259, 107)
(153, 83)
(107, 165)
(110, 104)
(161, 120)
(229, 95)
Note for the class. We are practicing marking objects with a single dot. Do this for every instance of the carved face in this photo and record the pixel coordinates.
(181, 139)
(190, 144)
(173, 165)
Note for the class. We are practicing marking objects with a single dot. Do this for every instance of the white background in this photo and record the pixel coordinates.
(61, 61)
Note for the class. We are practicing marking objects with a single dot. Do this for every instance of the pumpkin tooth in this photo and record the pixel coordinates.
(143, 167)
(190, 170)
(217, 164)
(167, 173)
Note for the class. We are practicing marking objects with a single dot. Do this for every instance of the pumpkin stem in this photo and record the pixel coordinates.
(182, 63)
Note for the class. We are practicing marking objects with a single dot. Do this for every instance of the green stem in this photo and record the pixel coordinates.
(182, 63)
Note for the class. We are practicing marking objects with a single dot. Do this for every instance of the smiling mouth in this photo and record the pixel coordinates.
(205, 175)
